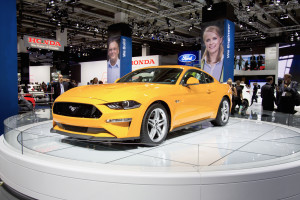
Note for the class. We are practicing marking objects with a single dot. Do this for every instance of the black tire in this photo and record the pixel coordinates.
(155, 125)
(223, 113)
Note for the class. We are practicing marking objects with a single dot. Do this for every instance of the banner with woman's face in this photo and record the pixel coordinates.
(217, 49)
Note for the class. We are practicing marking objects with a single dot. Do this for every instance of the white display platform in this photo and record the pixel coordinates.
(248, 160)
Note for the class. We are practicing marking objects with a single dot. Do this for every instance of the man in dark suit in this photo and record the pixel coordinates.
(286, 94)
(267, 95)
(61, 86)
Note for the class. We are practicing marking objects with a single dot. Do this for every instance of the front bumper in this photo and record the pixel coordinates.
(112, 125)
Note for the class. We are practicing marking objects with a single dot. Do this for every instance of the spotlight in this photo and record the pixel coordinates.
(264, 17)
(182, 44)
(250, 20)
(168, 22)
(197, 15)
(247, 7)
(209, 7)
(296, 34)
(209, 4)
(240, 6)
(191, 16)
(271, 2)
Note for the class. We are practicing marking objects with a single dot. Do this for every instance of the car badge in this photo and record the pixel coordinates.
(72, 108)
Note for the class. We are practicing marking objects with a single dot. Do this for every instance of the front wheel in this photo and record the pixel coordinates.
(223, 113)
(155, 125)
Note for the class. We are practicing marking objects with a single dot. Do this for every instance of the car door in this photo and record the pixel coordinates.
(193, 99)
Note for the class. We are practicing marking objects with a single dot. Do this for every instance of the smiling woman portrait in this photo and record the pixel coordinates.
(212, 59)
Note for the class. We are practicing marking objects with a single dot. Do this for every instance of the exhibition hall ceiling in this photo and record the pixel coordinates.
(168, 26)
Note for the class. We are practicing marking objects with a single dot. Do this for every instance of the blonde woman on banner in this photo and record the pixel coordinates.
(212, 59)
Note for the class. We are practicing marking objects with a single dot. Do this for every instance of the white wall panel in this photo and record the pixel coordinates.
(39, 74)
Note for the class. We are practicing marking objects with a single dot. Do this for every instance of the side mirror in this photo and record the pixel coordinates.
(192, 81)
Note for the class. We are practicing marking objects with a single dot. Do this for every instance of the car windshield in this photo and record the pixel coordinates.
(153, 75)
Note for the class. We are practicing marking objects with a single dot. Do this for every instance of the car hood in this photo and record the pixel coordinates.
(116, 91)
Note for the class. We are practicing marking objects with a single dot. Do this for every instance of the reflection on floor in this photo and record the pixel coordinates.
(239, 142)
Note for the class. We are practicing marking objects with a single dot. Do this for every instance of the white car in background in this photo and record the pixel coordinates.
(37, 93)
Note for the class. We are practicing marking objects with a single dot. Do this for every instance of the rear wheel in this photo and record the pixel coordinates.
(223, 113)
(155, 125)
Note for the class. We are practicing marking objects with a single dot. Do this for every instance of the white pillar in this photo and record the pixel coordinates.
(145, 50)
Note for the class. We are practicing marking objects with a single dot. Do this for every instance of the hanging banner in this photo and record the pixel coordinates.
(119, 51)
(126, 55)
(218, 49)
(43, 43)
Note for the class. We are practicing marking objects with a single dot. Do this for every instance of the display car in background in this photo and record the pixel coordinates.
(30, 98)
(37, 93)
(144, 105)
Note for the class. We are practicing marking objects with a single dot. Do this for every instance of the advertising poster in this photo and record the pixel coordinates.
(125, 55)
(189, 58)
(218, 49)
(113, 58)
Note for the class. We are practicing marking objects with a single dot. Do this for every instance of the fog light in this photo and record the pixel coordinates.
(119, 120)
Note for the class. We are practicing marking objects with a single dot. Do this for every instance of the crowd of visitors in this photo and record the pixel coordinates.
(281, 98)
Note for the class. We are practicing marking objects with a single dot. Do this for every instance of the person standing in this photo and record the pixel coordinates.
(286, 95)
(267, 95)
(239, 96)
(234, 94)
(61, 86)
(254, 94)
(212, 60)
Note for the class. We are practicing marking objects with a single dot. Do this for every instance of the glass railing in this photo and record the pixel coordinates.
(30, 133)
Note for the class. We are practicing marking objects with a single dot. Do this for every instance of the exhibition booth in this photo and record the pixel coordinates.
(255, 156)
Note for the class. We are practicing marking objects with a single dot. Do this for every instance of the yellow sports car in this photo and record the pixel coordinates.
(144, 105)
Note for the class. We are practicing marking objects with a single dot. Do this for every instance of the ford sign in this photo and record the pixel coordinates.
(187, 58)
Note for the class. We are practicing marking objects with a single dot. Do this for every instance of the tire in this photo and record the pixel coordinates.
(155, 125)
(223, 113)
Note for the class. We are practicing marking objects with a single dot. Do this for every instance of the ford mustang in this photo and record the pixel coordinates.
(144, 105)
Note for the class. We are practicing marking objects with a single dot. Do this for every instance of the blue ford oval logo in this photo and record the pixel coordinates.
(187, 58)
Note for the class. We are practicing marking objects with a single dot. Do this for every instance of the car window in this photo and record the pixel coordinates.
(194, 73)
(208, 78)
(153, 75)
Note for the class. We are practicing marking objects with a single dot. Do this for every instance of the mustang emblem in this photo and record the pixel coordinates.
(73, 108)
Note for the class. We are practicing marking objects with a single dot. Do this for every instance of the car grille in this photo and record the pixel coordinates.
(82, 129)
(76, 110)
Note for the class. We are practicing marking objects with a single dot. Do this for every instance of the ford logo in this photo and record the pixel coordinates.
(187, 58)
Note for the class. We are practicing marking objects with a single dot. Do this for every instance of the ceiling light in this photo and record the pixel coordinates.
(296, 34)
(182, 44)
(209, 7)
(191, 16)
(264, 17)
(240, 6)
(247, 8)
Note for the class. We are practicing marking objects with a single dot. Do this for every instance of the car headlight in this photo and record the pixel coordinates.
(123, 105)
